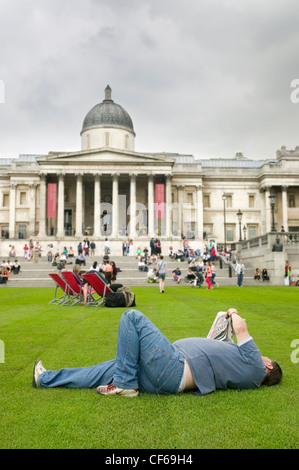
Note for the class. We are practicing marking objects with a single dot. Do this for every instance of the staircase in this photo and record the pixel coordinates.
(36, 274)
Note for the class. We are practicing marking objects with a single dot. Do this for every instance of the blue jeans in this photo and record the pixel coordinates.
(240, 279)
(145, 359)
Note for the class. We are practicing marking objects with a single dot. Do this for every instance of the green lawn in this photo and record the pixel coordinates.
(81, 419)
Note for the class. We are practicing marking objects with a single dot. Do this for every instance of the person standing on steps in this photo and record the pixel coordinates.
(240, 268)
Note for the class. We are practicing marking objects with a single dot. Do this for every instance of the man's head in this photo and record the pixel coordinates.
(274, 372)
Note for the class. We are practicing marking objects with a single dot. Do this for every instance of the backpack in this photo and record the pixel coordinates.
(124, 297)
(115, 299)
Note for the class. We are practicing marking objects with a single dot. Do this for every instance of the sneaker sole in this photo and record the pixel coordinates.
(34, 384)
(122, 393)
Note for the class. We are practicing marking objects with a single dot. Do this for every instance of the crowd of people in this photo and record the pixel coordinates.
(201, 266)
(199, 269)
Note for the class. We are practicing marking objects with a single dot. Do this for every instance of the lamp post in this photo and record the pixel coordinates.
(224, 219)
(239, 215)
(272, 198)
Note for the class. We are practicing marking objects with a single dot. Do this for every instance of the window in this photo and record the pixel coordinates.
(251, 200)
(228, 200)
(207, 231)
(206, 200)
(107, 139)
(126, 142)
(292, 200)
(5, 200)
(22, 231)
(4, 231)
(230, 233)
(252, 231)
(23, 198)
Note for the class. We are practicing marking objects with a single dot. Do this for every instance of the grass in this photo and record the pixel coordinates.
(30, 328)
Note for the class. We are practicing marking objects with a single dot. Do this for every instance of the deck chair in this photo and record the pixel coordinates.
(61, 284)
(100, 286)
(72, 284)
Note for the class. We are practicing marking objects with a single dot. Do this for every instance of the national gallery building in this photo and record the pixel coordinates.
(108, 189)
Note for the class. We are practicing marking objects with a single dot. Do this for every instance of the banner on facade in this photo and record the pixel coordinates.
(52, 195)
(160, 201)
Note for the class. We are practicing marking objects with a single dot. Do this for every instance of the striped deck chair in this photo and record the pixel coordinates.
(100, 286)
(61, 284)
(73, 285)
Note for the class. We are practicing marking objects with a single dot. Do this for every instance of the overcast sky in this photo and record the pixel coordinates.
(202, 77)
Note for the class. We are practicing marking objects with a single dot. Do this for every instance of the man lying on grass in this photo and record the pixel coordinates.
(146, 361)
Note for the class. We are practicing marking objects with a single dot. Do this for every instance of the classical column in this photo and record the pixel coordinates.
(268, 210)
(180, 219)
(284, 200)
(151, 207)
(168, 209)
(60, 212)
(97, 206)
(115, 205)
(42, 206)
(79, 204)
(199, 213)
(12, 211)
(132, 232)
(32, 210)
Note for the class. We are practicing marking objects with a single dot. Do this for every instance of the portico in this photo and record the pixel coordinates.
(116, 204)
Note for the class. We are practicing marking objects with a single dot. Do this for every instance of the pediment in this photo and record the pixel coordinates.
(104, 156)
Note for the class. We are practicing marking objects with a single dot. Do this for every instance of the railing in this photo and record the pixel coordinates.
(273, 239)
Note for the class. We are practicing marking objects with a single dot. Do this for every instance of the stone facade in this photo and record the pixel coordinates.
(107, 189)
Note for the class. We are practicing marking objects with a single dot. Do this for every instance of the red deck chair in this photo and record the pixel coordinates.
(73, 286)
(99, 285)
(61, 284)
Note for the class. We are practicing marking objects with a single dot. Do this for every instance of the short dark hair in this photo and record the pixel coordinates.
(273, 376)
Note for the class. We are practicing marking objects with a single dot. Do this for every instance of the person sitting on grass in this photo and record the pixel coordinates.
(146, 361)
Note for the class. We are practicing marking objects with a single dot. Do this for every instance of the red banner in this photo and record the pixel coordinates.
(159, 201)
(52, 195)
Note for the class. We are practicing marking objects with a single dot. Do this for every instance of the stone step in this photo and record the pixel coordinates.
(36, 274)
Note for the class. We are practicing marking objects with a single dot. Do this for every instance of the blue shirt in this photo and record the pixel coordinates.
(221, 365)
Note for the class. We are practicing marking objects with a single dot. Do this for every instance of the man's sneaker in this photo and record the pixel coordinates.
(113, 391)
(37, 371)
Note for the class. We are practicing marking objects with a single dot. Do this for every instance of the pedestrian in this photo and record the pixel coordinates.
(80, 249)
(162, 270)
(92, 248)
(240, 268)
(209, 275)
(287, 273)
(36, 252)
